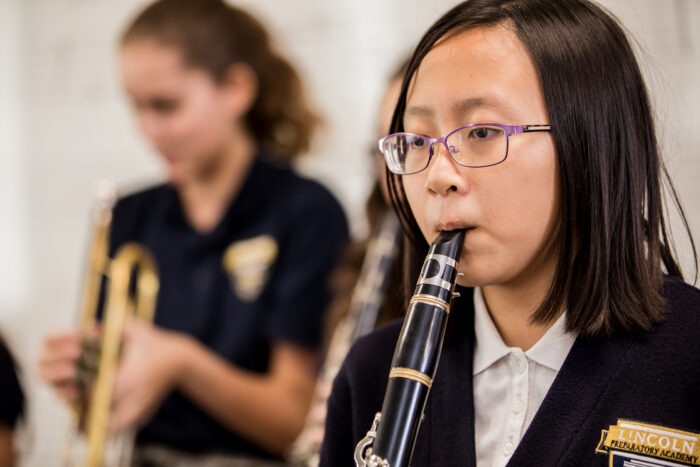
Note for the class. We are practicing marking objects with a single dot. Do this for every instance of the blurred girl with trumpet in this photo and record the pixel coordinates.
(243, 245)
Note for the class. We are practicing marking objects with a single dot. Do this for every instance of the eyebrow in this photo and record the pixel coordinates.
(465, 105)
(458, 108)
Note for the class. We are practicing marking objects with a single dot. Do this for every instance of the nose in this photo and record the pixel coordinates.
(444, 174)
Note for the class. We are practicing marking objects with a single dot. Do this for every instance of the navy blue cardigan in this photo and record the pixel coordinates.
(651, 377)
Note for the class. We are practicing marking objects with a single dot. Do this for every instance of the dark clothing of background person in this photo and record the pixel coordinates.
(12, 405)
(237, 312)
(11, 394)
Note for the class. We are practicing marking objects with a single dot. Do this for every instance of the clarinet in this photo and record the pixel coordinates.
(392, 436)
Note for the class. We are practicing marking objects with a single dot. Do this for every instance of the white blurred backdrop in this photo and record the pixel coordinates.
(64, 124)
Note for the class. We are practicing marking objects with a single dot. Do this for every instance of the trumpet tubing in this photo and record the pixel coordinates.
(131, 290)
(130, 259)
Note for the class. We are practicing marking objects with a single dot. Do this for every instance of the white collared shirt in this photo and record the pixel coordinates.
(509, 384)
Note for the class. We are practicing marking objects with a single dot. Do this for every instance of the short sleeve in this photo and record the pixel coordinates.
(11, 395)
(311, 248)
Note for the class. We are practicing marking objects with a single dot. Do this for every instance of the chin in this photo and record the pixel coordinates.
(467, 281)
(175, 172)
(175, 178)
(475, 274)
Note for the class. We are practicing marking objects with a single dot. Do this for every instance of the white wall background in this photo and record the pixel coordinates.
(64, 125)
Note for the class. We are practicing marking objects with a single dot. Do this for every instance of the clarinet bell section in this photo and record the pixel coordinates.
(392, 436)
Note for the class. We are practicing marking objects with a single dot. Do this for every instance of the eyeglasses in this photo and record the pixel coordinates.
(475, 145)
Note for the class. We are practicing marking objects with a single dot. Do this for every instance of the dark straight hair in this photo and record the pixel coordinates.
(613, 236)
(212, 35)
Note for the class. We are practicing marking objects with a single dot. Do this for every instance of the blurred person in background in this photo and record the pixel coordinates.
(243, 245)
(11, 405)
(377, 208)
(367, 285)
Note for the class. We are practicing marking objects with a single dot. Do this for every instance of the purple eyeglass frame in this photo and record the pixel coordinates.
(508, 129)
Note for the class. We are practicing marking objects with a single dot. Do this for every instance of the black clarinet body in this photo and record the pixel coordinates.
(390, 440)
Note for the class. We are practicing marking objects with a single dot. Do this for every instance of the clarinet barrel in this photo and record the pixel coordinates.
(390, 440)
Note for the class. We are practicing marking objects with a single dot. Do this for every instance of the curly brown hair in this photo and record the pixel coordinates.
(212, 35)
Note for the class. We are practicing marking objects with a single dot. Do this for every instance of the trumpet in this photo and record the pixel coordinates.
(392, 436)
(132, 284)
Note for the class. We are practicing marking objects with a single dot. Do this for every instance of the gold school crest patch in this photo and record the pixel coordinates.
(635, 444)
(248, 264)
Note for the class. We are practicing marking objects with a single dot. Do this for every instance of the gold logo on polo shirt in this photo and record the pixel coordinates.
(629, 442)
(248, 264)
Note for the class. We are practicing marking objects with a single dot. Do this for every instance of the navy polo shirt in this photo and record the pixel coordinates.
(259, 277)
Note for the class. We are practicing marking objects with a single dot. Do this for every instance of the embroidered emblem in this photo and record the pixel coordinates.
(632, 443)
(248, 264)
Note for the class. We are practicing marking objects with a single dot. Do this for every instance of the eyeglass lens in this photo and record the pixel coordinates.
(475, 146)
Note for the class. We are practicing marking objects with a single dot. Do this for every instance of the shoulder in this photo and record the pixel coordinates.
(683, 308)
(673, 346)
(138, 202)
(381, 339)
(299, 194)
(681, 294)
(134, 211)
(369, 359)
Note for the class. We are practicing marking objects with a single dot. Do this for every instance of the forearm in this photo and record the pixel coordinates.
(267, 409)
(7, 457)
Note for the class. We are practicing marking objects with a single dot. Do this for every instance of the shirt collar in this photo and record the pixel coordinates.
(552, 348)
(550, 351)
(489, 346)
(247, 200)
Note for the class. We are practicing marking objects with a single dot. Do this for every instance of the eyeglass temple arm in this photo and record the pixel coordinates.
(528, 128)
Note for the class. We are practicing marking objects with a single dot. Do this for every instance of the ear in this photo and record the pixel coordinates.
(240, 89)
